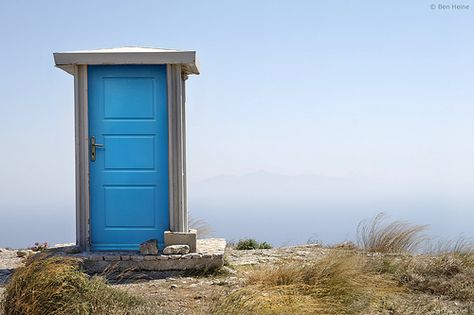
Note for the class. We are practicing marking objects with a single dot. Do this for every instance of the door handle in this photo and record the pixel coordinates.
(94, 145)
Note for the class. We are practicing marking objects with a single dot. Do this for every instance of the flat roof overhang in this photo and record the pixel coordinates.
(127, 56)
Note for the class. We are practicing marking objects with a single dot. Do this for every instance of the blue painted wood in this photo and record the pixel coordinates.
(129, 178)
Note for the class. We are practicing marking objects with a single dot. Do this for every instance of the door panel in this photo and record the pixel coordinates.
(129, 178)
(128, 98)
(129, 152)
(120, 209)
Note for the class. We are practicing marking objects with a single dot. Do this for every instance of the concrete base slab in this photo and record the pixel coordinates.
(209, 255)
(182, 238)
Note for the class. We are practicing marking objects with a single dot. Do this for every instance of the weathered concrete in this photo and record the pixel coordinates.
(209, 255)
(176, 249)
(182, 238)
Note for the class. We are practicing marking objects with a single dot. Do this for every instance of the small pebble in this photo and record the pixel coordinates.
(228, 270)
(21, 253)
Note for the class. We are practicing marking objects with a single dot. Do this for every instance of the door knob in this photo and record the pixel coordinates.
(94, 145)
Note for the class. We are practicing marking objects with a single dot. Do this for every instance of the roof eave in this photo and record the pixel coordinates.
(67, 60)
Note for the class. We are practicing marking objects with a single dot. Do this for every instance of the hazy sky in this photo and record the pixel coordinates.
(373, 89)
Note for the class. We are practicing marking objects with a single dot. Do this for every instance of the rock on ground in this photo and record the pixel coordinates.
(176, 250)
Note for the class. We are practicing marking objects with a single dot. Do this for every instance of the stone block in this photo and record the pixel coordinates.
(194, 255)
(176, 249)
(210, 256)
(149, 247)
(182, 238)
(162, 257)
(150, 257)
(95, 257)
(112, 257)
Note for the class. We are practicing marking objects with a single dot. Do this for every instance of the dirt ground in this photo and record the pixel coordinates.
(189, 295)
(197, 294)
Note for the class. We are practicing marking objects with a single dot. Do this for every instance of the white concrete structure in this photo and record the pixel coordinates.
(179, 64)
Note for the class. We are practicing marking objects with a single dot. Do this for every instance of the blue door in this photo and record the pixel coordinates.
(128, 119)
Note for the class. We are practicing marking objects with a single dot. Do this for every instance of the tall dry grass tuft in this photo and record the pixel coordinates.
(55, 285)
(459, 246)
(203, 228)
(446, 271)
(396, 237)
(334, 284)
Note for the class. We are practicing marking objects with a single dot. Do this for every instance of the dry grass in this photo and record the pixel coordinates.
(459, 246)
(350, 282)
(347, 280)
(395, 237)
(447, 271)
(449, 275)
(203, 228)
(374, 279)
(335, 284)
(56, 285)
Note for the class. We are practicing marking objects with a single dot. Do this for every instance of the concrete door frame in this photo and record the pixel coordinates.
(178, 210)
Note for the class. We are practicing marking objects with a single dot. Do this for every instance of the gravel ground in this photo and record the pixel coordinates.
(9, 260)
(189, 295)
(264, 256)
(195, 295)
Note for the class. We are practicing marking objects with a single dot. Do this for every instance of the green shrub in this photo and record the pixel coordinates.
(265, 245)
(249, 243)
